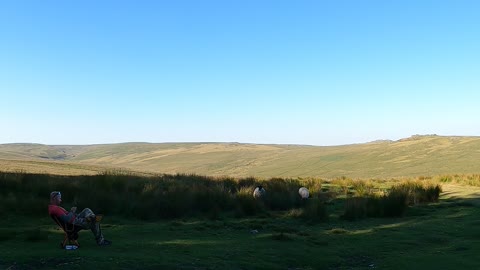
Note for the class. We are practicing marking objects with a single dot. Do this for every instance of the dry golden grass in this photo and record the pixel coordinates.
(59, 168)
(418, 155)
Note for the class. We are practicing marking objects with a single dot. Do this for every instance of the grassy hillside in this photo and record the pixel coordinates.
(417, 155)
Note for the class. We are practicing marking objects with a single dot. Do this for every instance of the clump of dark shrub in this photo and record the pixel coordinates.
(418, 192)
(147, 197)
(281, 194)
(355, 208)
(314, 210)
(392, 204)
(182, 195)
(246, 204)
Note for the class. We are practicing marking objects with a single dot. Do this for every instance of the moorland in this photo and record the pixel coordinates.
(407, 204)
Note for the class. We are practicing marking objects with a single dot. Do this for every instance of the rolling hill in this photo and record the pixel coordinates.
(414, 156)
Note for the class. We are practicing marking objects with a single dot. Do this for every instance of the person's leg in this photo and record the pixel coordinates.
(86, 219)
(83, 218)
(97, 232)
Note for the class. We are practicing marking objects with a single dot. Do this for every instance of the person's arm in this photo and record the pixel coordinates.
(68, 218)
(62, 214)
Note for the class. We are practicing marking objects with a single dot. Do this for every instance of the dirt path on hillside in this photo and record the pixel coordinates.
(461, 192)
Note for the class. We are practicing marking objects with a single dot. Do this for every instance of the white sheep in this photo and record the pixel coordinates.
(303, 191)
(259, 192)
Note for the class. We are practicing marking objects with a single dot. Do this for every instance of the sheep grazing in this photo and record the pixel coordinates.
(259, 192)
(303, 191)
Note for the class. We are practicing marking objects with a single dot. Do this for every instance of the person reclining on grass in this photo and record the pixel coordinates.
(85, 219)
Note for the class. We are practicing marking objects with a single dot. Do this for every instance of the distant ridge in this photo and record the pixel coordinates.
(417, 155)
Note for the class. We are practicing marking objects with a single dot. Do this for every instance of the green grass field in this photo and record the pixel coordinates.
(441, 235)
(415, 156)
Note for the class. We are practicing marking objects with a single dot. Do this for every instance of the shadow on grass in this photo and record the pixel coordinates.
(436, 235)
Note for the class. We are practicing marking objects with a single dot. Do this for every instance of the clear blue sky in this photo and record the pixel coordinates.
(293, 72)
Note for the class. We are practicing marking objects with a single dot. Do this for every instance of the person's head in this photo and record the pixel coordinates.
(55, 197)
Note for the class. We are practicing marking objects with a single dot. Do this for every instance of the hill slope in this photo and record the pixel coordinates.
(414, 156)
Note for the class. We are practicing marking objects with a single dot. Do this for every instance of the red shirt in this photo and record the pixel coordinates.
(59, 212)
